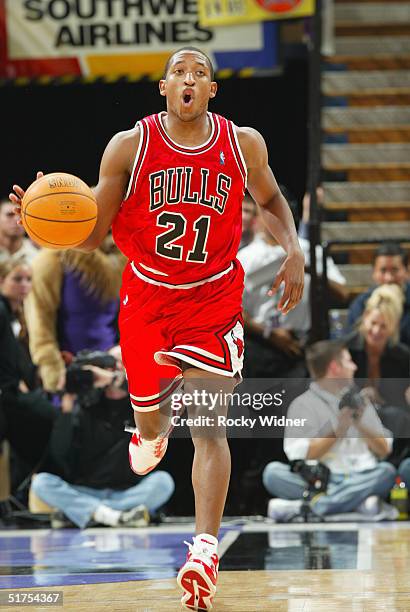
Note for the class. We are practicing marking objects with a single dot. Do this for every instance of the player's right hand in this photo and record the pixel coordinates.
(16, 197)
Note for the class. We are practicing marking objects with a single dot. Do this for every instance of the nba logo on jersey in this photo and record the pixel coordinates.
(222, 158)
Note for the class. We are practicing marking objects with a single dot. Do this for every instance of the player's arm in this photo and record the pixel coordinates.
(276, 215)
(115, 172)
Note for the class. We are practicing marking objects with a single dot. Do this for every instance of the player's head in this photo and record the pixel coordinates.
(189, 49)
(188, 83)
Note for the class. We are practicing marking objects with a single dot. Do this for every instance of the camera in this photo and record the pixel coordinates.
(80, 381)
(352, 399)
(315, 473)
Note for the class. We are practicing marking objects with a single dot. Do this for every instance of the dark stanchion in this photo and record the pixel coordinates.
(319, 316)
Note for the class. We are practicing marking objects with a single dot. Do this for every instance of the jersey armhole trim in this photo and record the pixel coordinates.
(236, 149)
(140, 154)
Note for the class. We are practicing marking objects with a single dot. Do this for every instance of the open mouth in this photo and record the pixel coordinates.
(187, 98)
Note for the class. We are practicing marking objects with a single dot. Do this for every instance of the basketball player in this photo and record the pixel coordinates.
(172, 189)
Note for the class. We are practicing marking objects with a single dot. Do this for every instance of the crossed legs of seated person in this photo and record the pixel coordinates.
(129, 507)
(345, 493)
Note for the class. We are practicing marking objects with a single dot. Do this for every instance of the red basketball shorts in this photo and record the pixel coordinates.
(160, 327)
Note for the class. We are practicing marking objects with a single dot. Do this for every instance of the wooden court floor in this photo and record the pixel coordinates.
(380, 580)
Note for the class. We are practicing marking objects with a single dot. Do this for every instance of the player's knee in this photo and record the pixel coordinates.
(210, 443)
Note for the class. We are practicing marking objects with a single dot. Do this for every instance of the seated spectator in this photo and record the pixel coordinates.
(248, 221)
(351, 442)
(73, 306)
(389, 267)
(13, 242)
(91, 480)
(383, 364)
(27, 416)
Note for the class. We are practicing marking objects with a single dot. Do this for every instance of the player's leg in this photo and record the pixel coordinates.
(149, 442)
(150, 384)
(211, 466)
(210, 478)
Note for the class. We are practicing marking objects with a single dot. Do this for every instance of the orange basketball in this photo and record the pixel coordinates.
(59, 211)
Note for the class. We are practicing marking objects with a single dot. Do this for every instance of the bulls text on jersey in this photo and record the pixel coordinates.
(173, 186)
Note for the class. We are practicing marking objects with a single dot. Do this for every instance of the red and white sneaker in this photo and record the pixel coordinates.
(145, 455)
(198, 576)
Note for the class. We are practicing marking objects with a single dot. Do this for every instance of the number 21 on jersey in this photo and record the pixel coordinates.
(176, 225)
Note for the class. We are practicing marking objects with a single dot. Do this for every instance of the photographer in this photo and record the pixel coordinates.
(92, 480)
(343, 432)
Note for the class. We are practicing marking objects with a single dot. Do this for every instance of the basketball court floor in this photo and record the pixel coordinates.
(331, 567)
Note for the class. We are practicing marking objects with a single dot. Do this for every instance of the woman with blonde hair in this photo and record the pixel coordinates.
(380, 321)
(15, 285)
(375, 346)
(383, 363)
(26, 416)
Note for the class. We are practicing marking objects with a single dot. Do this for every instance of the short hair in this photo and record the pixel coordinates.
(391, 249)
(320, 355)
(195, 50)
(388, 300)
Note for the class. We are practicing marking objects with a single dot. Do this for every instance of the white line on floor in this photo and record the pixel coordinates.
(227, 541)
(364, 548)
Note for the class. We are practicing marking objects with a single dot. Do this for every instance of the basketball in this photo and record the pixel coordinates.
(59, 211)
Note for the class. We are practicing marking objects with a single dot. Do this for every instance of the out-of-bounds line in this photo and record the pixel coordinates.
(227, 541)
(364, 548)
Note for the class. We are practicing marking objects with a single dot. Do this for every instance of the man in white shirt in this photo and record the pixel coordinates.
(351, 442)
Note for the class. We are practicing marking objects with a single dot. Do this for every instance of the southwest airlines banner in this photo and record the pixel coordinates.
(119, 38)
(228, 12)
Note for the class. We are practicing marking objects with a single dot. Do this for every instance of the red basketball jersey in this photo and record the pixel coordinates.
(181, 220)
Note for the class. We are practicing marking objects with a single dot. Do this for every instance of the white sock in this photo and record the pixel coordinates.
(208, 541)
(107, 516)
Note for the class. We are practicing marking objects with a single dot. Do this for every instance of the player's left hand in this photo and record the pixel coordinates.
(292, 273)
(16, 197)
